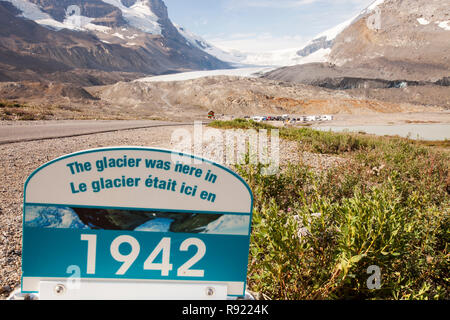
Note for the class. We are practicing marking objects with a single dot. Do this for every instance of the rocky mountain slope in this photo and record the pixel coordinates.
(95, 41)
(391, 40)
(240, 97)
(193, 99)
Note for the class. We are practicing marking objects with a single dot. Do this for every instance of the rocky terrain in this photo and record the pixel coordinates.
(396, 40)
(193, 99)
(407, 39)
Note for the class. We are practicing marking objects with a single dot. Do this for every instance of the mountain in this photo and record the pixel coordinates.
(316, 50)
(235, 59)
(93, 41)
(391, 40)
(397, 42)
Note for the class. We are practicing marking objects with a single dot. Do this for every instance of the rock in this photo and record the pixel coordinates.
(5, 289)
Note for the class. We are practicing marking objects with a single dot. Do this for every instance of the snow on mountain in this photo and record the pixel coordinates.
(276, 58)
(73, 21)
(284, 57)
(138, 15)
(31, 11)
(332, 33)
(109, 38)
(374, 5)
(318, 49)
(183, 76)
(320, 55)
(197, 41)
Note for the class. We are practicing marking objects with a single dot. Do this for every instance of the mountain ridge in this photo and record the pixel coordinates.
(390, 40)
(41, 37)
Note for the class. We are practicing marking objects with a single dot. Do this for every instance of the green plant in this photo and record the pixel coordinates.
(315, 233)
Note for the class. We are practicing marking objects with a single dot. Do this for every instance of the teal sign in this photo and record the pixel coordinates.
(136, 214)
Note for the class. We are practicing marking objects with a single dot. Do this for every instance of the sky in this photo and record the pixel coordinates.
(261, 25)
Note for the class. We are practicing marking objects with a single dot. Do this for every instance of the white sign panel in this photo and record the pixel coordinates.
(139, 215)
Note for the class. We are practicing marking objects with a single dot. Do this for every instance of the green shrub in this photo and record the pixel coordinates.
(377, 227)
(315, 233)
(239, 124)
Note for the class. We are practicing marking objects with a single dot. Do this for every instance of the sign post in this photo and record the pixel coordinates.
(135, 223)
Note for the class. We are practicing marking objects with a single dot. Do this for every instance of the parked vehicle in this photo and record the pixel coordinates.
(288, 119)
(258, 119)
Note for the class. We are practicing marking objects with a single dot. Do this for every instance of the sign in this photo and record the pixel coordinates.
(136, 214)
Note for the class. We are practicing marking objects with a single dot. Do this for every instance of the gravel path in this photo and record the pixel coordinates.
(19, 160)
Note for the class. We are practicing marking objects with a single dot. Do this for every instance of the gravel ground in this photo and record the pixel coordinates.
(19, 160)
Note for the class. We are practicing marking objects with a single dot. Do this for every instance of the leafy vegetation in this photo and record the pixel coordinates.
(239, 124)
(16, 111)
(315, 234)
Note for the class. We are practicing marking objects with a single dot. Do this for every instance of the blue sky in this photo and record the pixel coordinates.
(261, 25)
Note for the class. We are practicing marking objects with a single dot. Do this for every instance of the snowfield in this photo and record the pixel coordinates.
(33, 12)
(240, 72)
(200, 43)
(139, 16)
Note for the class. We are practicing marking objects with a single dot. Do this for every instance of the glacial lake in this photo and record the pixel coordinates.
(431, 132)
